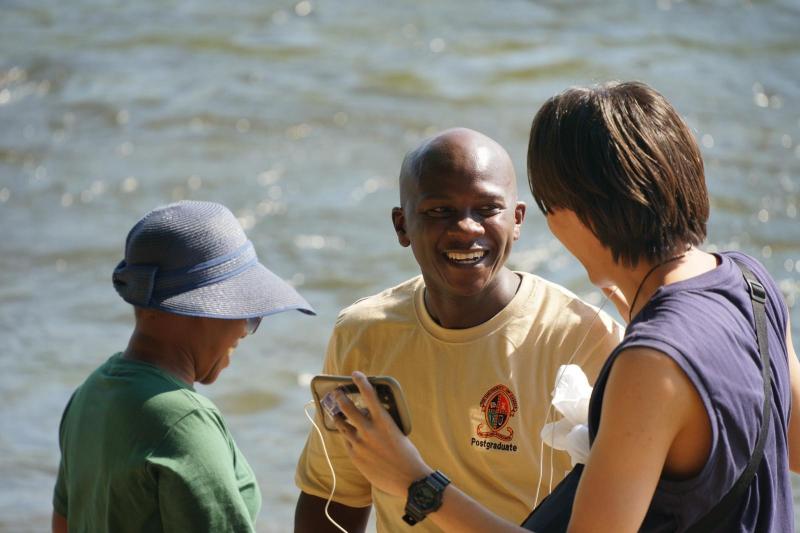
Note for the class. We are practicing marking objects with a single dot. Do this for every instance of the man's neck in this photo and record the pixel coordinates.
(461, 312)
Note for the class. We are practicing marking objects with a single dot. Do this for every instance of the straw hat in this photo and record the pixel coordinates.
(193, 258)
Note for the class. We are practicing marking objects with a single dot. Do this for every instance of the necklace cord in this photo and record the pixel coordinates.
(641, 284)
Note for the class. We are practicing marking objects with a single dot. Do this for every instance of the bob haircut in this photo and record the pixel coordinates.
(623, 160)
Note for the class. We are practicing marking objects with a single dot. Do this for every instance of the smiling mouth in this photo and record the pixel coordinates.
(466, 258)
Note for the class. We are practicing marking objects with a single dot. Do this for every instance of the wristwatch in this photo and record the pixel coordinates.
(424, 497)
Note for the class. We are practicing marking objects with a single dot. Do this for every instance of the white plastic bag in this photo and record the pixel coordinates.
(570, 398)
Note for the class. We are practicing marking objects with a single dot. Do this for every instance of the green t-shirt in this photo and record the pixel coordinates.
(142, 451)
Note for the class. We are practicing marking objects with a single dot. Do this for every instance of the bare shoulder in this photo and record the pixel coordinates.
(643, 412)
(649, 371)
(647, 387)
(648, 393)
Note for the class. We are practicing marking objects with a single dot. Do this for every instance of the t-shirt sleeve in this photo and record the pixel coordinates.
(195, 468)
(60, 492)
(60, 495)
(313, 475)
(595, 338)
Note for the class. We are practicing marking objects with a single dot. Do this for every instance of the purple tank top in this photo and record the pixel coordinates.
(705, 324)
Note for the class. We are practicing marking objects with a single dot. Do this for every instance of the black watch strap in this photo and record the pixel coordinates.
(425, 497)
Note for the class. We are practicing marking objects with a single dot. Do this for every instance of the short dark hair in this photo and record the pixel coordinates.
(620, 157)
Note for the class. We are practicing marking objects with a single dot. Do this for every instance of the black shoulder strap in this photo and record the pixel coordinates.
(724, 509)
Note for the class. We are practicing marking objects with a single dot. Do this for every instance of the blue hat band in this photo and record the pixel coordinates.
(139, 284)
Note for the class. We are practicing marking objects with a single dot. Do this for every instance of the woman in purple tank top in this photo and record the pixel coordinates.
(677, 409)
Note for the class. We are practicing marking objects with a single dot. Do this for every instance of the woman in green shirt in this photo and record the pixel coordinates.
(140, 449)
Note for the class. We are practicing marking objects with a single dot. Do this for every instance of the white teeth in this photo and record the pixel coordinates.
(466, 256)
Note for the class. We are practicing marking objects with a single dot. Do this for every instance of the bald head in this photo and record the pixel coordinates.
(460, 216)
(456, 152)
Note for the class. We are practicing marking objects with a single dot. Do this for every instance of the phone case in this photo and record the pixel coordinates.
(389, 392)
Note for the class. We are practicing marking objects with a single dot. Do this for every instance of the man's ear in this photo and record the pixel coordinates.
(399, 223)
(519, 217)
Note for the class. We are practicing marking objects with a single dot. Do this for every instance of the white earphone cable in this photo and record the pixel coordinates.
(330, 465)
(550, 408)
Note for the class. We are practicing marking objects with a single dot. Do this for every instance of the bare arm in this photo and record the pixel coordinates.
(59, 523)
(648, 406)
(794, 420)
(309, 516)
(461, 513)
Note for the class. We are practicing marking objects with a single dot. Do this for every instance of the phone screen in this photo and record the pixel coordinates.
(388, 390)
(331, 408)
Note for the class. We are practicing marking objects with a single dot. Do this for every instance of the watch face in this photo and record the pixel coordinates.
(425, 496)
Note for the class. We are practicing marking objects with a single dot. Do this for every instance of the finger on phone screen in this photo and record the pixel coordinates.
(344, 428)
(368, 394)
(353, 414)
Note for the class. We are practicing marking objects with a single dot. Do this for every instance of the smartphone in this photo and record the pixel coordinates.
(388, 389)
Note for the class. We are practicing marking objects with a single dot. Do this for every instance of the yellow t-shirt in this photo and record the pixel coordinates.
(477, 397)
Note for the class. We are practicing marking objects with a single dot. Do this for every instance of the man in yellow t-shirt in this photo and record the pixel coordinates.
(474, 345)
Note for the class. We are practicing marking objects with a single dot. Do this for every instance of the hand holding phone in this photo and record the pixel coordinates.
(376, 445)
(388, 390)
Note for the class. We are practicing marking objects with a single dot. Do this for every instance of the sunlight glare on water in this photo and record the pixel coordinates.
(297, 115)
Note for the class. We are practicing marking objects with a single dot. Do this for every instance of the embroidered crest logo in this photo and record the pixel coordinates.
(498, 406)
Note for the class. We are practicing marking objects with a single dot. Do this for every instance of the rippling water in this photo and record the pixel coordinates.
(296, 115)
